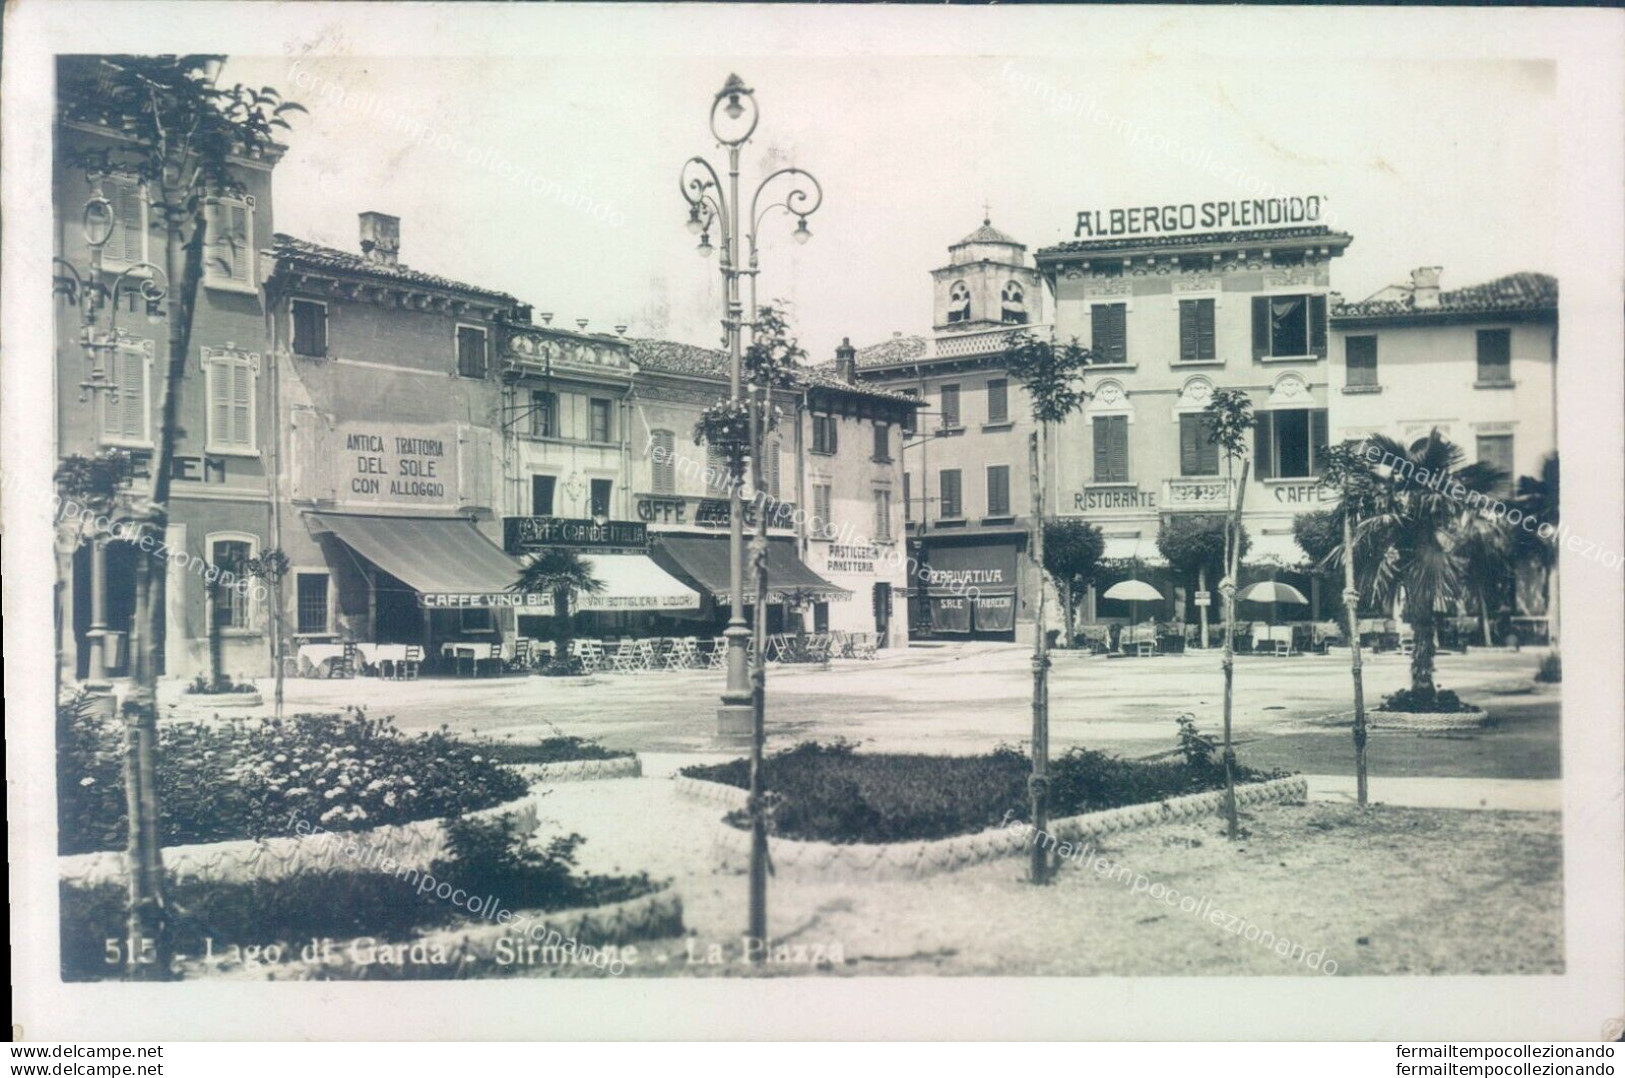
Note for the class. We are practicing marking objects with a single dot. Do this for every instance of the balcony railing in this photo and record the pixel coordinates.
(1202, 494)
(981, 342)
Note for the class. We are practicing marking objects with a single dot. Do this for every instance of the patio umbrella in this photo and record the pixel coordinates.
(1272, 592)
(1136, 592)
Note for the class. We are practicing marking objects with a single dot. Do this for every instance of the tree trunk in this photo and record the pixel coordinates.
(563, 627)
(1201, 609)
(184, 263)
(1232, 558)
(1422, 653)
(1066, 606)
(1351, 605)
(216, 637)
(1484, 615)
(1038, 784)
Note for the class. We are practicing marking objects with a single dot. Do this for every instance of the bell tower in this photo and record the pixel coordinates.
(987, 283)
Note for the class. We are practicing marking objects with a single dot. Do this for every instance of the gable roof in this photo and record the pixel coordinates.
(675, 357)
(1516, 292)
(298, 252)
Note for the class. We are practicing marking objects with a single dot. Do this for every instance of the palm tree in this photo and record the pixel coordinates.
(1538, 499)
(1414, 536)
(1486, 546)
(563, 574)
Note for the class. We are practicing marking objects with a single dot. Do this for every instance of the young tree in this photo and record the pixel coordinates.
(561, 574)
(1052, 375)
(270, 568)
(1072, 552)
(1230, 417)
(1194, 545)
(177, 133)
(1348, 472)
(1413, 534)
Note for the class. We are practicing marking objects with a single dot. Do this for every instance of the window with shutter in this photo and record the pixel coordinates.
(229, 601)
(309, 328)
(1317, 326)
(1317, 441)
(998, 490)
(1196, 330)
(544, 413)
(125, 420)
(1109, 332)
(1187, 330)
(230, 388)
(998, 400)
(882, 442)
(1263, 444)
(1495, 356)
(230, 260)
(663, 463)
(950, 504)
(1360, 354)
(127, 243)
(950, 406)
(1111, 448)
(773, 454)
(1496, 451)
(1261, 326)
(717, 475)
(882, 515)
(311, 603)
(820, 526)
(1198, 453)
(471, 352)
(909, 418)
(908, 501)
(541, 495)
(601, 429)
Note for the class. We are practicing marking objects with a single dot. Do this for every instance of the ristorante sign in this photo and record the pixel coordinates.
(1198, 216)
(521, 534)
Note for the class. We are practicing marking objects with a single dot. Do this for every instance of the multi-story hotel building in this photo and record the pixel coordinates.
(219, 512)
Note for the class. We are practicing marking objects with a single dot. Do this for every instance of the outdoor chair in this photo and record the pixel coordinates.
(521, 661)
(863, 646)
(649, 652)
(718, 655)
(818, 648)
(408, 667)
(346, 665)
(780, 648)
(684, 654)
(1280, 640)
(840, 644)
(1406, 639)
(590, 653)
(625, 659)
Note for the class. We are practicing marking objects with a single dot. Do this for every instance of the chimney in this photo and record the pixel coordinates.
(846, 362)
(1425, 287)
(381, 237)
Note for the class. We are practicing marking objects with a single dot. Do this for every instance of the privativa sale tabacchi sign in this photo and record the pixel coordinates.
(1154, 220)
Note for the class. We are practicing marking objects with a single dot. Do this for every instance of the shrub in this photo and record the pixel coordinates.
(202, 686)
(252, 779)
(830, 793)
(549, 751)
(1439, 702)
(1551, 668)
(487, 857)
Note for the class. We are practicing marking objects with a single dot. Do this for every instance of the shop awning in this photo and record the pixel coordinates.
(445, 559)
(1132, 548)
(1276, 550)
(635, 584)
(703, 559)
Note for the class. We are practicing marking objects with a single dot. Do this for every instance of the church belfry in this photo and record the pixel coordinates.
(986, 283)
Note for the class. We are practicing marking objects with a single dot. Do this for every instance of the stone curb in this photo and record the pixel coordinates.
(409, 845)
(915, 860)
(1419, 720)
(616, 767)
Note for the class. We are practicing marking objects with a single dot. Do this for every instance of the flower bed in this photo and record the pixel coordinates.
(830, 793)
(549, 751)
(1438, 710)
(912, 860)
(492, 862)
(250, 779)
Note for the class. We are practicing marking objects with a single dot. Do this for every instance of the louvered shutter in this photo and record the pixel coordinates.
(773, 468)
(242, 404)
(1190, 457)
(1261, 326)
(1119, 444)
(1317, 440)
(1206, 348)
(998, 401)
(1317, 326)
(1263, 434)
(663, 467)
(125, 243)
(308, 462)
(1187, 329)
(130, 414)
(1103, 458)
(219, 380)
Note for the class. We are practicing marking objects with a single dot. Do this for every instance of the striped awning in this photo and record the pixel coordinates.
(435, 556)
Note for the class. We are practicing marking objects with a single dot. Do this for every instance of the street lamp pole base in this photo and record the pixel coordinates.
(734, 722)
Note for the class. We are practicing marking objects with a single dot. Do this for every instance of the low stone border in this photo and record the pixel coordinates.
(1428, 720)
(409, 845)
(615, 767)
(913, 860)
(649, 917)
(714, 793)
(207, 701)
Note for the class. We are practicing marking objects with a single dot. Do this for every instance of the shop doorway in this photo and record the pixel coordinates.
(883, 612)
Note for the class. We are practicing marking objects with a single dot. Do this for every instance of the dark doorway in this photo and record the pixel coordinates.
(397, 618)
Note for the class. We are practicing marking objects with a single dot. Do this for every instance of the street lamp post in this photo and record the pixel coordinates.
(733, 120)
(90, 295)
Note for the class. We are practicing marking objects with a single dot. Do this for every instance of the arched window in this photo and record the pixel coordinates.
(1013, 304)
(663, 461)
(959, 302)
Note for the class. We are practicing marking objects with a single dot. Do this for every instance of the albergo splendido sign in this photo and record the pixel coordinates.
(1192, 216)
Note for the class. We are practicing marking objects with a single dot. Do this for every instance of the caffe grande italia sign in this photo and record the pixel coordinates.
(1193, 216)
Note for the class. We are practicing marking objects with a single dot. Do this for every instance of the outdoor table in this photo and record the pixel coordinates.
(474, 651)
(317, 656)
(374, 655)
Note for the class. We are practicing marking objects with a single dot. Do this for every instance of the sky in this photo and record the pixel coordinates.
(571, 198)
